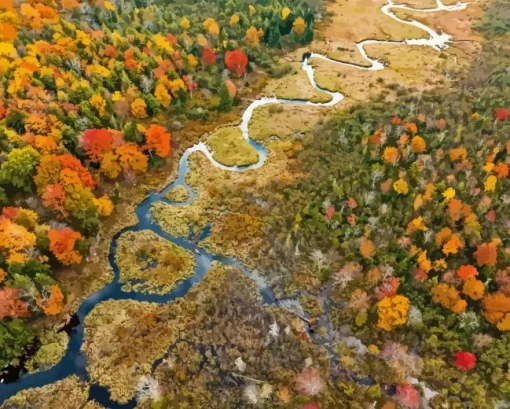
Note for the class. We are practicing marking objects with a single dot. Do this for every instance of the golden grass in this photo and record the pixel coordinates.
(229, 147)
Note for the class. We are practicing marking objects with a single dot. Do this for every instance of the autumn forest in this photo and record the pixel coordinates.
(296, 204)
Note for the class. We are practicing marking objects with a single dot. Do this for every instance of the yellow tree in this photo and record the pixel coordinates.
(252, 35)
(139, 108)
(299, 26)
(185, 24)
(162, 95)
(110, 166)
(234, 20)
(285, 13)
(212, 27)
(131, 158)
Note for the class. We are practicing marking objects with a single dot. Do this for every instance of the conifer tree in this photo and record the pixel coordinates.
(225, 99)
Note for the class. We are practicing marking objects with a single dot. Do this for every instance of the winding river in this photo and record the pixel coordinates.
(74, 362)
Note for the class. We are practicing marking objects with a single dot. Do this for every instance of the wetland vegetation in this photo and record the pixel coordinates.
(364, 265)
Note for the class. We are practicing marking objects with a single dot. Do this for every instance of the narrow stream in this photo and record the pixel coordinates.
(74, 361)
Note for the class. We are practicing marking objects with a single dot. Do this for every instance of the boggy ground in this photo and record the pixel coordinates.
(233, 202)
(353, 21)
(229, 201)
(229, 148)
(69, 393)
(296, 86)
(148, 263)
(208, 346)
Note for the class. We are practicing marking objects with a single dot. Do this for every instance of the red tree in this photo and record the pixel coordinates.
(11, 305)
(10, 212)
(501, 114)
(208, 56)
(465, 360)
(110, 51)
(329, 213)
(96, 143)
(236, 61)
(408, 396)
(171, 39)
(3, 111)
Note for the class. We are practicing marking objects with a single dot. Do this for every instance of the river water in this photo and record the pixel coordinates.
(74, 361)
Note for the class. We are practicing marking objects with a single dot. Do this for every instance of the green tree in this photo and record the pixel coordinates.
(16, 121)
(19, 168)
(131, 133)
(225, 99)
(14, 337)
(31, 268)
(3, 196)
(273, 37)
(308, 36)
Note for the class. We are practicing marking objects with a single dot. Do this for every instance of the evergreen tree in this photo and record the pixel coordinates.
(225, 99)
(284, 25)
(308, 35)
(273, 37)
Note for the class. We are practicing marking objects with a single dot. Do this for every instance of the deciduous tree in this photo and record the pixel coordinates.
(236, 61)
(62, 242)
(157, 140)
(11, 305)
(208, 56)
(299, 26)
(96, 143)
(19, 168)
